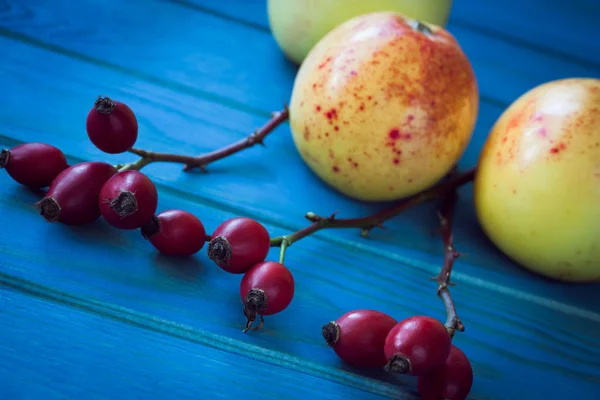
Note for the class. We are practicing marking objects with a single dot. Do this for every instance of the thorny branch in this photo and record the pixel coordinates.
(446, 216)
(201, 161)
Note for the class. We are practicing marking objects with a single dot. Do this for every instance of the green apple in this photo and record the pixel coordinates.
(298, 25)
(537, 187)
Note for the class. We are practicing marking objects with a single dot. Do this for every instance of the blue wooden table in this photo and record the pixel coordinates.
(92, 312)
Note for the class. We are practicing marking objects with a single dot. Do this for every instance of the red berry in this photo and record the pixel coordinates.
(358, 337)
(33, 164)
(111, 126)
(128, 200)
(416, 345)
(266, 289)
(239, 243)
(73, 195)
(175, 233)
(451, 381)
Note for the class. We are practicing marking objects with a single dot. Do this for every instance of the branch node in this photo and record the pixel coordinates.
(311, 216)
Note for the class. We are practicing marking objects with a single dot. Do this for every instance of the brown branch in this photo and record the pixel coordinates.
(201, 161)
(446, 215)
(257, 137)
(375, 220)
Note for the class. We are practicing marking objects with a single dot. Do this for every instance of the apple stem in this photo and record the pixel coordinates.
(446, 216)
(201, 161)
(366, 224)
(423, 28)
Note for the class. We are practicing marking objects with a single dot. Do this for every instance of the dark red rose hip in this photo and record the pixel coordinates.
(73, 195)
(128, 200)
(451, 381)
(358, 337)
(416, 345)
(239, 243)
(34, 165)
(266, 289)
(111, 126)
(175, 233)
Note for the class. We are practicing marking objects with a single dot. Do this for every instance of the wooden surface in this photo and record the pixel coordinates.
(92, 312)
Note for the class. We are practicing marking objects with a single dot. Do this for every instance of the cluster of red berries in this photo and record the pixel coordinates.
(127, 199)
(417, 346)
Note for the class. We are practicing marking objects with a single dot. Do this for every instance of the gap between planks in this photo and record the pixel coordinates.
(204, 338)
(40, 44)
(495, 34)
(224, 101)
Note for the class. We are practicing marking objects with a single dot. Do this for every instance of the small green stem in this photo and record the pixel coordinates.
(283, 247)
(135, 166)
(375, 220)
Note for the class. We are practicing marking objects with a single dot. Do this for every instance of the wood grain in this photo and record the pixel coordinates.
(505, 332)
(51, 351)
(270, 184)
(172, 327)
(220, 67)
(551, 27)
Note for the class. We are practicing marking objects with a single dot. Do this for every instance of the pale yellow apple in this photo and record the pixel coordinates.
(537, 188)
(297, 25)
(383, 107)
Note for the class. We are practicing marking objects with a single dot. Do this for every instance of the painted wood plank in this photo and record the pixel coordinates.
(514, 340)
(224, 69)
(240, 183)
(51, 351)
(561, 29)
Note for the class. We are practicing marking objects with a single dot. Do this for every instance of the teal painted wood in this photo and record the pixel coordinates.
(520, 329)
(186, 104)
(512, 341)
(95, 357)
(558, 28)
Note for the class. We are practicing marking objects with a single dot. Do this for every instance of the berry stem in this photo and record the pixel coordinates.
(374, 220)
(135, 166)
(201, 161)
(284, 245)
(446, 216)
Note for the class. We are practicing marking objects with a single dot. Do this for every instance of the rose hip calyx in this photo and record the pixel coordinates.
(104, 105)
(331, 333)
(255, 302)
(151, 228)
(219, 250)
(49, 209)
(125, 204)
(398, 364)
(4, 157)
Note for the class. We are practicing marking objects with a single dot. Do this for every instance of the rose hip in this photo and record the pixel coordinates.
(128, 200)
(358, 337)
(266, 289)
(175, 233)
(451, 381)
(73, 195)
(34, 165)
(111, 126)
(416, 345)
(239, 243)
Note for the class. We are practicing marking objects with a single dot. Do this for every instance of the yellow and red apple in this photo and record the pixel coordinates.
(537, 187)
(384, 106)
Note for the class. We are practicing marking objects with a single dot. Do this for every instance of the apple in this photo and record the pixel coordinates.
(383, 106)
(537, 186)
(297, 25)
